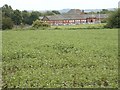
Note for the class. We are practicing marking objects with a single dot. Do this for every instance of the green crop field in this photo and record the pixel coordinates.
(60, 58)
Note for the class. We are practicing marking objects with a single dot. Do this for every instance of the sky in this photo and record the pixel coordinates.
(60, 4)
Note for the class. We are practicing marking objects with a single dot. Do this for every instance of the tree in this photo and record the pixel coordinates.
(49, 13)
(17, 18)
(56, 12)
(114, 19)
(105, 11)
(92, 12)
(25, 17)
(33, 16)
(7, 11)
(7, 23)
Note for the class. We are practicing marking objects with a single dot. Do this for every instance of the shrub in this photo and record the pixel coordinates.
(7, 23)
(38, 24)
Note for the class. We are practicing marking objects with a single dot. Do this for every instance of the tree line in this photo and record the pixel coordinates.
(12, 17)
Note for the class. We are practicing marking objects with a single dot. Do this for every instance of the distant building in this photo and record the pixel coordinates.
(74, 16)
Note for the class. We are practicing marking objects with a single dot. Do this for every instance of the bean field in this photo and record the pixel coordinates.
(60, 58)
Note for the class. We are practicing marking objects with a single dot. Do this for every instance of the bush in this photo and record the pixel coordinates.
(114, 20)
(7, 23)
(104, 21)
(39, 24)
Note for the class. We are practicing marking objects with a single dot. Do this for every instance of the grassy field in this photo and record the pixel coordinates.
(60, 58)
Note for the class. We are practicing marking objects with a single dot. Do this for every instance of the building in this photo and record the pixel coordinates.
(74, 16)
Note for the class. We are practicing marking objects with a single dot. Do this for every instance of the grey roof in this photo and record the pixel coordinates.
(76, 16)
(56, 17)
(74, 11)
(94, 16)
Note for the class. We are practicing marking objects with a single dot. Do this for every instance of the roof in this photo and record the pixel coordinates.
(74, 11)
(76, 16)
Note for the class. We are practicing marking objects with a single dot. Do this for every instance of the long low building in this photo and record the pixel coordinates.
(74, 16)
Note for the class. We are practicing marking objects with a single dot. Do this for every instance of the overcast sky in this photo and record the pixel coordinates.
(60, 4)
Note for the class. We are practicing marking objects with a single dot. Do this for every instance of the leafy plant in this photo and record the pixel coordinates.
(38, 24)
(60, 58)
